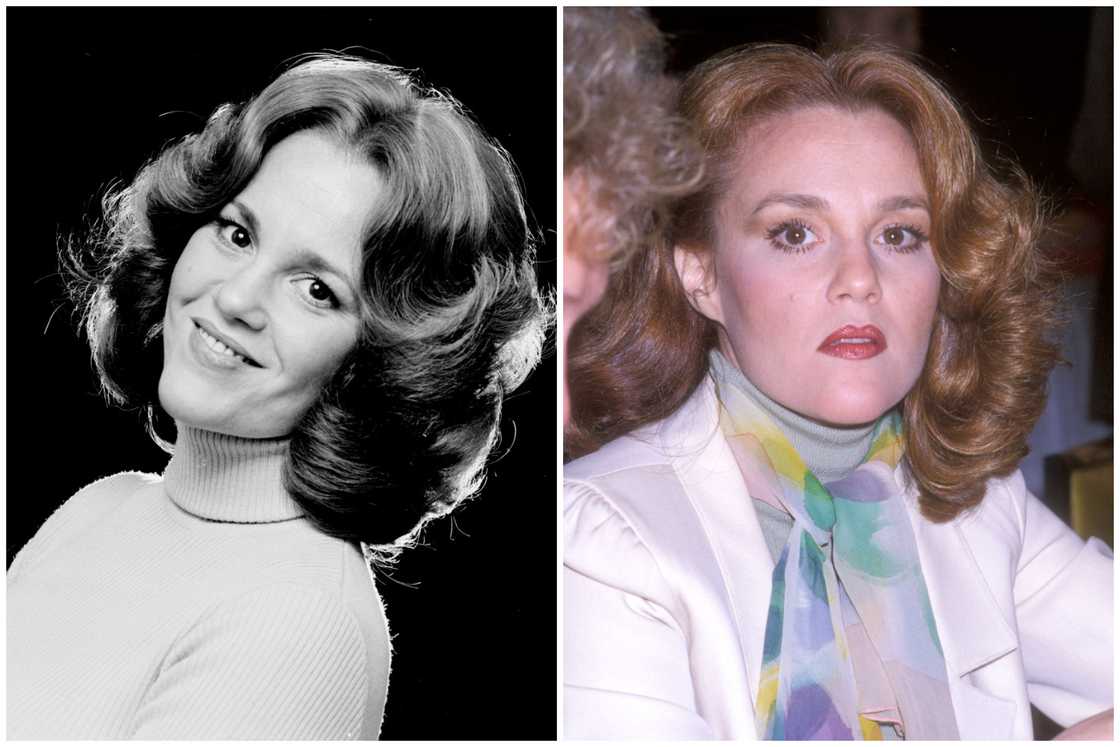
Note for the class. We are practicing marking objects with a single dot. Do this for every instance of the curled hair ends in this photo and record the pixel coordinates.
(983, 384)
(404, 426)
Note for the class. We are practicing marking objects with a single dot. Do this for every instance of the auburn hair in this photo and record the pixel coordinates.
(644, 350)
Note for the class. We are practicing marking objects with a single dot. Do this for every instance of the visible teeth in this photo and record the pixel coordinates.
(218, 346)
(854, 341)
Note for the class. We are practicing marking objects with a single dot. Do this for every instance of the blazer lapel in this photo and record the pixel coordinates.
(972, 629)
(720, 498)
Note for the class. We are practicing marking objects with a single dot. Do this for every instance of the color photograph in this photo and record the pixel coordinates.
(838, 373)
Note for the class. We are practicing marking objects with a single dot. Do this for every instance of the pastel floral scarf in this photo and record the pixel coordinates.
(851, 549)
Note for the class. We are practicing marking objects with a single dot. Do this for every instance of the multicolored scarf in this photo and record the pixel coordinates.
(851, 547)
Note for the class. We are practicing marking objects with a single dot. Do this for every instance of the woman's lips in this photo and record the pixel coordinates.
(854, 343)
(217, 350)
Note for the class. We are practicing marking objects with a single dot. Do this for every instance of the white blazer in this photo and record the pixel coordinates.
(667, 587)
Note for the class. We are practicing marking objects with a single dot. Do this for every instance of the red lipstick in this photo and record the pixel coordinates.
(854, 343)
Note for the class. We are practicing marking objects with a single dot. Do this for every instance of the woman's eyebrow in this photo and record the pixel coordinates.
(812, 202)
(804, 202)
(903, 202)
(246, 215)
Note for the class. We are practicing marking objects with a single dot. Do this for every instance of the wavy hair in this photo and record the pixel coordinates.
(451, 317)
(983, 383)
(624, 143)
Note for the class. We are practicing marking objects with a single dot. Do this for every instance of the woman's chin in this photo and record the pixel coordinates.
(849, 413)
(856, 402)
(195, 406)
(192, 414)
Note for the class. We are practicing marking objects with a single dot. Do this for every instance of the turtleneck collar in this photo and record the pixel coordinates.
(829, 452)
(229, 479)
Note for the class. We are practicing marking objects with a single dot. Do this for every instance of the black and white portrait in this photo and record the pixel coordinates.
(281, 379)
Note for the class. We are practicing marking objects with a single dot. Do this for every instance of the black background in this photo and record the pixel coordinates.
(93, 93)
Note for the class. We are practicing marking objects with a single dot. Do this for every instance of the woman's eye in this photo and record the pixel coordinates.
(318, 293)
(234, 233)
(903, 238)
(792, 236)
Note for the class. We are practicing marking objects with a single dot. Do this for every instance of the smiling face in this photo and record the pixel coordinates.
(822, 276)
(263, 304)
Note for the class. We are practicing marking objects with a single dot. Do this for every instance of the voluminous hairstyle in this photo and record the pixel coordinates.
(624, 144)
(983, 383)
(451, 319)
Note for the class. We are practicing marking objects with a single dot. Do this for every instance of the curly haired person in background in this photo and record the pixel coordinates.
(322, 300)
(797, 514)
(627, 155)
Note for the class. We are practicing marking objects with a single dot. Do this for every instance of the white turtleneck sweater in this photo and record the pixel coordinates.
(197, 605)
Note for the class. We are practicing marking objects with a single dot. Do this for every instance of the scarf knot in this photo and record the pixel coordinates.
(819, 505)
(850, 565)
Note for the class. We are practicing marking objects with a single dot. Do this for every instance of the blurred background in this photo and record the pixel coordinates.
(92, 94)
(1036, 84)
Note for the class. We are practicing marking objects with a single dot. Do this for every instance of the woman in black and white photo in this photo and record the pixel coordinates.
(318, 301)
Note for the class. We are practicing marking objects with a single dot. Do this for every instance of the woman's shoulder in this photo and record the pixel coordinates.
(90, 504)
(653, 494)
(1003, 507)
(637, 522)
(1001, 515)
(1010, 515)
(1044, 543)
(1011, 528)
(605, 521)
(309, 661)
(292, 609)
(105, 493)
(305, 623)
(610, 541)
(298, 559)
(629, 489)
(657, 448)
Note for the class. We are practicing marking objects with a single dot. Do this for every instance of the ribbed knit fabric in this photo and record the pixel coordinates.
(199, 605)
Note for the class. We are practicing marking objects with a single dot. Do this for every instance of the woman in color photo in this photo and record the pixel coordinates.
(796, 512)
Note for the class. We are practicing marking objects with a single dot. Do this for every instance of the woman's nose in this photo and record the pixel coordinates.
(856, 275)
(240, 296)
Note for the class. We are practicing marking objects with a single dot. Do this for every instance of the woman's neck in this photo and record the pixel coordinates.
(229, 479)
(830, 452)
